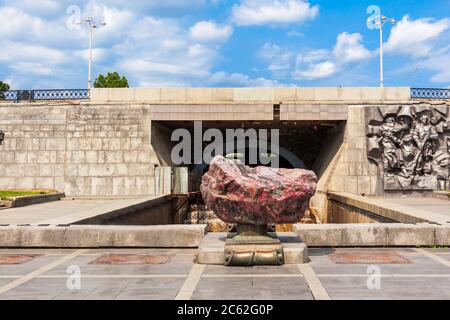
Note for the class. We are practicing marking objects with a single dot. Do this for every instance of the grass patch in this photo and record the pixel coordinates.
(7, 194)
(434, 246)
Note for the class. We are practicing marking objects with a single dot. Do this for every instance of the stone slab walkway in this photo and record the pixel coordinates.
(69, 211)
(405, 210)
(53, 274)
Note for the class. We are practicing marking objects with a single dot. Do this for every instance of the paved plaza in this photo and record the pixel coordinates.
(52, 274)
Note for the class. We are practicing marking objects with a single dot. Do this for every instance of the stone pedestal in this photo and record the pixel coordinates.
(216, 248)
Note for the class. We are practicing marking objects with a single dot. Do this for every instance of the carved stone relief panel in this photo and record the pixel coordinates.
(411, 145)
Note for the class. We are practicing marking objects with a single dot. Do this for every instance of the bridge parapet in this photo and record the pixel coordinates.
(251, 95)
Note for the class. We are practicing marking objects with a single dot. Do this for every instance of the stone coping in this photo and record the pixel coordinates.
(442, 195)
(392, 211)
(268, 94)
(92, 236)
(373, 234)
(23, 201)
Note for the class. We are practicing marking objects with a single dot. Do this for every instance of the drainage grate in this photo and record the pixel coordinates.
(15, 258)
(368, 258)
(131, 259)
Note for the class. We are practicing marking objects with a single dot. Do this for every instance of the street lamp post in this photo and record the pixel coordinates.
(92, 25)
(380, 22)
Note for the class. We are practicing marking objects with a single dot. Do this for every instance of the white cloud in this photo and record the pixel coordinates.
(98, 54)
(261, 12)
(313, 56)
(320, 64)
(416, 38)
(425, 42)
(316, 63)
(23, 52)
(175, 60)
(439, 64)
(349, 48)
(36, 6)
(316, 71)
(31, 68)
(209, 31)
(294, 33)
(226, 79)
(279, 59)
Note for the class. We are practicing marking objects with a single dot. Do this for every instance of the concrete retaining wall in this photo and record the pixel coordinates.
(111, 145)
(81, 150)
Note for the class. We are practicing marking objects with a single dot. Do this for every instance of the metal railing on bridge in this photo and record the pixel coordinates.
(82, 94)
(47, 94)
(430, 93)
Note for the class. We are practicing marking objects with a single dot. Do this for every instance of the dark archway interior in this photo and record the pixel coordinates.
(300, 142)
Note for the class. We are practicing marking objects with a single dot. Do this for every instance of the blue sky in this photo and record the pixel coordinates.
(225, 43)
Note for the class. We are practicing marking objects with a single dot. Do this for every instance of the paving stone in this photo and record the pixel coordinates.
(391, 288)
(34, 264)
(225, 270)
(147, 294)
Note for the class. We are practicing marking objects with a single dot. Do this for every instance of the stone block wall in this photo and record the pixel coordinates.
(82, 150)
(353, 172)
(335, 112)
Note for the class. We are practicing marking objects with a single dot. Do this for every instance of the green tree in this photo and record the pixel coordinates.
(3, 87)
(112, 80)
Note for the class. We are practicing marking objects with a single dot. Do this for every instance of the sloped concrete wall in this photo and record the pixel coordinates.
(353, 171)
(343, 165)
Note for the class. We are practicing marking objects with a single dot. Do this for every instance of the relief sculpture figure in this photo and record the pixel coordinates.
(410, 146)
(389, 143)
(425, 137)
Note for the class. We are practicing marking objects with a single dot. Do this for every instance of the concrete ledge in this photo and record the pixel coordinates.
(357, 234)
(88, 236)
(211, 249)
(321, 235)
(370, 235)
(34, 199)
(442, 235)
(410, 235)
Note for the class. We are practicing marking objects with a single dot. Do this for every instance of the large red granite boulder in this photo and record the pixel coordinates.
(256, 196)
